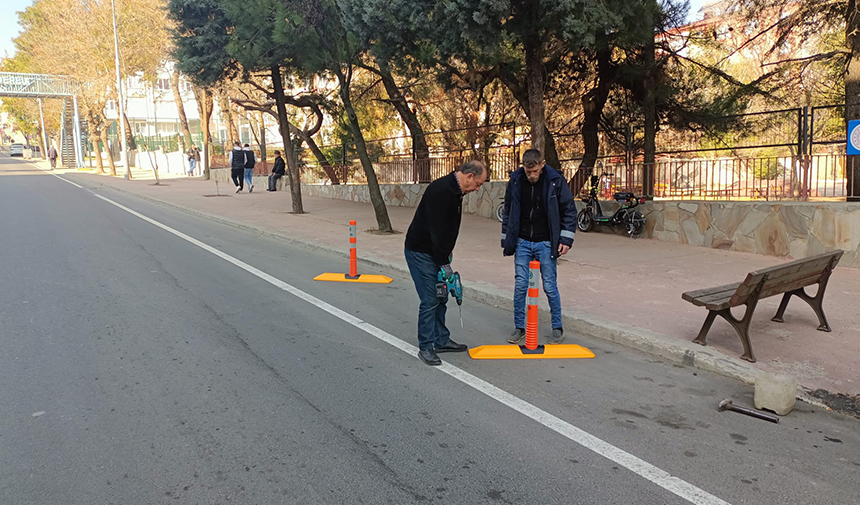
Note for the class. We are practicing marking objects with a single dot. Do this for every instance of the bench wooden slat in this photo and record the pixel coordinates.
(746, 289)
(716, 298)
(697, 296)
(789, 286)
(790, 269)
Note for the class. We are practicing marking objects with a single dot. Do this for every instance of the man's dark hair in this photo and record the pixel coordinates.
(278, 153)
(247, 145)
(532, 157)
(473, 167)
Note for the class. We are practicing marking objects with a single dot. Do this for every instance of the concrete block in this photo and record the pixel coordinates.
(775, 393)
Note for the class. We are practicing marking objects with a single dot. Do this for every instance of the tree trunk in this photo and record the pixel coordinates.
(852, 92)
(419, 144)
(376, 200)
(180, 109)
(535, 85)
(93, 127)
(204, 110)
(320, 156)
(129, 135)
(104, 139)
(592, 104)
(227, 116)
(41, 142)
(649, 107)
(262, 140)
(289, 152)
(521, 95)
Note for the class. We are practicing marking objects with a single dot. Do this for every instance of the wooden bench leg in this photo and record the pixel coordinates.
(741, 326)
(814, 301)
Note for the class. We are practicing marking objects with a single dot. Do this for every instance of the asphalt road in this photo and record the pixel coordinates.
(137, 367)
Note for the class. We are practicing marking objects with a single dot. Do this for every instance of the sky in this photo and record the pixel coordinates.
(9, 21)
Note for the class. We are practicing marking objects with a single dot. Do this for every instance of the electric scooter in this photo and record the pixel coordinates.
(632, 220)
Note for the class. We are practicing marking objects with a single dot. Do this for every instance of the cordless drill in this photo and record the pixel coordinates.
(450, 284)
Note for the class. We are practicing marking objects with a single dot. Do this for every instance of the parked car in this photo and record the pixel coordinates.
(16, 150)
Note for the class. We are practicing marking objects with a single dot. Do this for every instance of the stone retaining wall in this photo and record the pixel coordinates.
(783, 229)
(482, 202)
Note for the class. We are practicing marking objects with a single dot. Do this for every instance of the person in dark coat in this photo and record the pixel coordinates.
(52, 156)
(237, 165)
(539, 224)
(429, 243)
(278, 171)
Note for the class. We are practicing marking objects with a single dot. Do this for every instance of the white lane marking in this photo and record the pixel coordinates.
(636, 465)
(57, 176)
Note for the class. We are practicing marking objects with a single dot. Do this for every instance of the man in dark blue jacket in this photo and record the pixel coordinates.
(539, 224)
(430, 241)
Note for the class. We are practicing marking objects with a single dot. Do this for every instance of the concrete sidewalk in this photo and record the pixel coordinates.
(614, 288)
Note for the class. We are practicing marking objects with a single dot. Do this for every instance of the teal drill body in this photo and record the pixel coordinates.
(451, 285)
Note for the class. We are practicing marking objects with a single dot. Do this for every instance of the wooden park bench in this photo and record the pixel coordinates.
(788, 279)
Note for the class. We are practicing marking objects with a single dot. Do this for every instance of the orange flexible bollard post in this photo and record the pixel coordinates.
(353, 255)
(531, 349)
(353, 275)
(532, 307)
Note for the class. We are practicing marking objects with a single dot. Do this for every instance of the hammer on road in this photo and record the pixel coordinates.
(727, 405)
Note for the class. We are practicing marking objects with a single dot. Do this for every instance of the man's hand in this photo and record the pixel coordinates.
(562, 249)
(447, 272)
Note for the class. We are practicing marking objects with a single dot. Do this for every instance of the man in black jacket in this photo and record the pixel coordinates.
(277, 172)
(236, 158)
(538, 224)
(429, 244)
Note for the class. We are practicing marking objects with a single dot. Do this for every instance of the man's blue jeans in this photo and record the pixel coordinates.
(526, 252)
(432, 331)
(249, 177)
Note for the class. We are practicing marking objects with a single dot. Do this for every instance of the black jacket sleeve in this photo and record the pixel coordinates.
(442, 218)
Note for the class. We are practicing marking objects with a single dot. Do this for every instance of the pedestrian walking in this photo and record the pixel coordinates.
(52, 156)
(538, 224)
(250, 161)
(430, 241)
(278, 171)
(237, 165)
(193, 159)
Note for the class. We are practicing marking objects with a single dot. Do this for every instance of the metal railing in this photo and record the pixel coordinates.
(406, 170)
(788, 178)
(17, 85)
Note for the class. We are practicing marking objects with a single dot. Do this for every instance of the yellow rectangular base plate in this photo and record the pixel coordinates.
(559, 351)
(372, 279)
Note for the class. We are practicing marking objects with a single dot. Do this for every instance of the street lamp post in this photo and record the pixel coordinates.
(119, 113)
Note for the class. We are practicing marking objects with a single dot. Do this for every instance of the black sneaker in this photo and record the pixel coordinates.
(557, 336)
(517, 336)
(452, 346)
(429, 357)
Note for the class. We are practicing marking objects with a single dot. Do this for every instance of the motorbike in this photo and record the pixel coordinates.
(592, 215)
